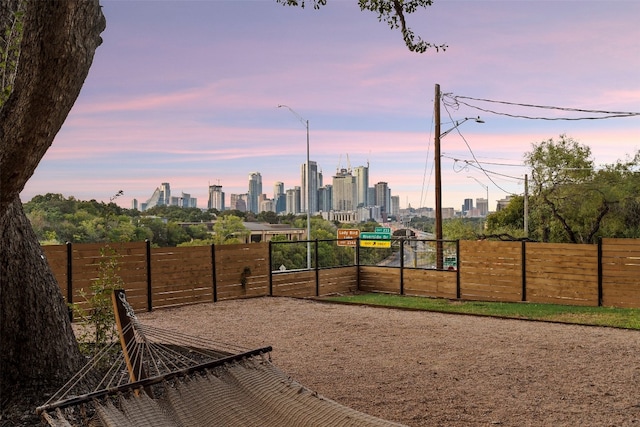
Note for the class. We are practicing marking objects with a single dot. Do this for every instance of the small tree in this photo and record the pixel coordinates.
(560, 172)
(97, 311)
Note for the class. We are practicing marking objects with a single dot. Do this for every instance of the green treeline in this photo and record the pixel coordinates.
(57, 219)
(570, 200)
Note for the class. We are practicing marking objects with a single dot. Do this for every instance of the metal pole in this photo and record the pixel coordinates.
(487, 214)
(308, 203)
(306, 124)
(436, 150)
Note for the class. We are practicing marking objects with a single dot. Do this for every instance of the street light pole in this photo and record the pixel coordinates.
(308, 191)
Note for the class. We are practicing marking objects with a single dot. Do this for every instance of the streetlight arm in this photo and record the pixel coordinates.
(476, 180)
(458, 123)
(303, 121)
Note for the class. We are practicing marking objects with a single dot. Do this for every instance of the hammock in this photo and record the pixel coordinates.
(164, 379)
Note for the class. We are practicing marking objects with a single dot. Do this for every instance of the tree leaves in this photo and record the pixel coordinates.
(391, 12)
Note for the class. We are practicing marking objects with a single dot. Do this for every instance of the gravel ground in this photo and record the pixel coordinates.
(432, 369)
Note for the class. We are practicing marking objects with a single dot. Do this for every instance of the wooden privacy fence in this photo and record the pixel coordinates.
(593, 275)
(604, 274)
(164, 277)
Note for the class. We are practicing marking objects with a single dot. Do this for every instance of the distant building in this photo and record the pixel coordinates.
(362, 183)
(260, 232)
(255, 190)
(365, 213)
(345, 191)
(216, 198)
(395, 206)
(263, 232)
(483, 206)
(293, 201)
(502, 203)
(371, 196)
(238, 202)
(467, 206)
(312, 189)
(426, 212)
(448, 213)
(279, 197)
(184, 201)
(341, 216)
(160, 197)
(375, 213)
(383, 199)
(267, 205)
(325, 195)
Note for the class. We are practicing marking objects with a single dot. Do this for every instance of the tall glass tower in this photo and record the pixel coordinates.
(362, 181)
(255, 191)
(309, 189)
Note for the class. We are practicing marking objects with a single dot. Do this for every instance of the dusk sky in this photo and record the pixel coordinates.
(187, 92)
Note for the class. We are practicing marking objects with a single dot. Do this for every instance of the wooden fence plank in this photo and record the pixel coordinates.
(431, 283)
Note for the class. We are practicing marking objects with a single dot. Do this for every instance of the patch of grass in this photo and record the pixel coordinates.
(628, 318)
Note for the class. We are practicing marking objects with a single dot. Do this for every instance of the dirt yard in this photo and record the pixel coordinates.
(430, 369)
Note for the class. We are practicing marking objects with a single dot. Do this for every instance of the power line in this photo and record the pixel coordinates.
(454, 101)
(472, 153)
(471, 164)
(520, 165)
(426, 162)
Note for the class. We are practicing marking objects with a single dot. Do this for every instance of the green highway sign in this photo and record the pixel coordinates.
(383, 230)
(375, 236)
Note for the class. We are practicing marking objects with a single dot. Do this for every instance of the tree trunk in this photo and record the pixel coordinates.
(38, 348)
(56, 51)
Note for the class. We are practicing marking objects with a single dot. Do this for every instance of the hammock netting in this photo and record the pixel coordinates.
(164, 378)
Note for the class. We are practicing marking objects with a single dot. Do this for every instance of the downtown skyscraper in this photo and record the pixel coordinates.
(362, 181)
(344, 191)
(310, 189)
(216, 198)
(279, 197)
(254, 193)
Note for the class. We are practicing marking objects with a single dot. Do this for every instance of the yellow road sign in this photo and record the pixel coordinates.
(375, 243)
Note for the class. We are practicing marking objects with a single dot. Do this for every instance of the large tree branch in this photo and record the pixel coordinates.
(392, 12)
(56, 51)
(565, 225)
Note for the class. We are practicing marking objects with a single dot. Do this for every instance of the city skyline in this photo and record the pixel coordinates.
(217, 198)
(188, 92)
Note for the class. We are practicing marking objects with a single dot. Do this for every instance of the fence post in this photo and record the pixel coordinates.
(458, 289)
(523, 257)
(214, 278)
(149, 287)
(600, 290)
(315, 256)
(358, 263)
(401, 266)
(270, 270)
(70, 279)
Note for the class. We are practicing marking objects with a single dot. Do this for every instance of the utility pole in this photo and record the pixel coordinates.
(436, 149)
